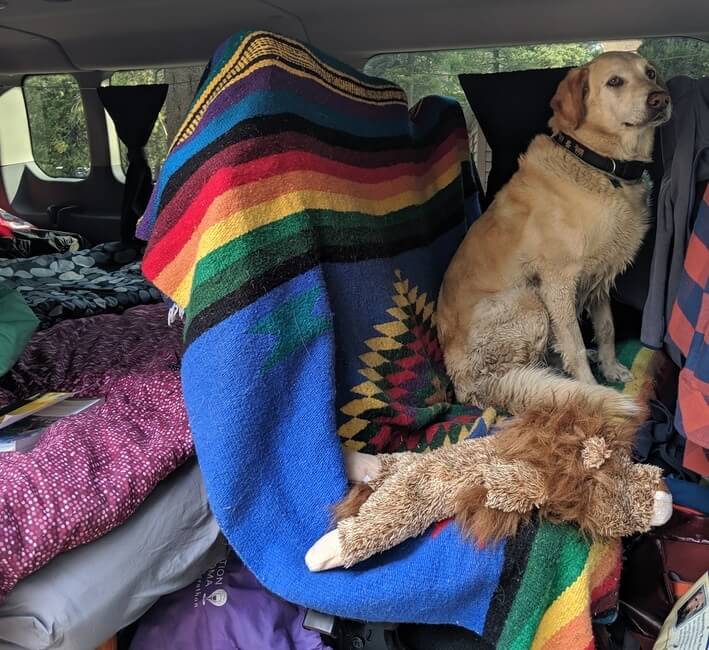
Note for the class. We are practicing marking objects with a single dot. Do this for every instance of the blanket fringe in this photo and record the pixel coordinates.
(175, 312)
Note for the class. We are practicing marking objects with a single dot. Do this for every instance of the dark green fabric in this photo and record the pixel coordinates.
(17, 325)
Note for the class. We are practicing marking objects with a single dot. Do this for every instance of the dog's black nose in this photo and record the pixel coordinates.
(658, 99)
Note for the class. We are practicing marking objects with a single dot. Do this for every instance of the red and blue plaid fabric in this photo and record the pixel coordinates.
(689, 331)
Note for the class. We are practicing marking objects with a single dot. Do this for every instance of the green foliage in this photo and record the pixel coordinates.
(678, 56)
(60, 141)
(436, 73)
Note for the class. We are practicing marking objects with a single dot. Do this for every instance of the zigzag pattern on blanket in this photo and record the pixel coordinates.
(303, 220)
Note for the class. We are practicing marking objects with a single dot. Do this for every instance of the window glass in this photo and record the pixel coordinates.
(436, 73)
(182, 84)
(677, 56)
(58, 133)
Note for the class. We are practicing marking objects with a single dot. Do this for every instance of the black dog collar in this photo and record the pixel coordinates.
(624, 170)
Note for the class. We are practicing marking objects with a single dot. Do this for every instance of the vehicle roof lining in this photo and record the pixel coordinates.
(46, 36)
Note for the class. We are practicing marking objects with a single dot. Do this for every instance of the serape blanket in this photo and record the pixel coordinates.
(303, 220)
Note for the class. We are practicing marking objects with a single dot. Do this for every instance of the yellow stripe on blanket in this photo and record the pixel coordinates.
(641, 372)
(570, 605)
(237, 221)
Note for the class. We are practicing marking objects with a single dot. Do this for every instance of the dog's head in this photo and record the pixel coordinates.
(616, 93)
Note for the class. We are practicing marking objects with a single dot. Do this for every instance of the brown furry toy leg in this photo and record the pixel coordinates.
(571, 465)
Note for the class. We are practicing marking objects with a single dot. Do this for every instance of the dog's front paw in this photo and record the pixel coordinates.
(615, 372)
(326, 553)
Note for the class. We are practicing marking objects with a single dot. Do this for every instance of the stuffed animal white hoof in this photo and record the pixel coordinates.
(325, 554)
(361, 468)
(663, 508)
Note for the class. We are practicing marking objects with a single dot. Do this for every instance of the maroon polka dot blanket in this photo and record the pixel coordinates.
(90, 472)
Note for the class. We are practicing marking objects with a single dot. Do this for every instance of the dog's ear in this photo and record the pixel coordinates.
(569, 102)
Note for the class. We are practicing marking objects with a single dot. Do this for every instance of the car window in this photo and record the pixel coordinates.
(182, 82)
(58, 132)
(426, 73)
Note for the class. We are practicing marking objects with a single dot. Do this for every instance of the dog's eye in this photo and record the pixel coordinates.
(651, 74)
(615, 82)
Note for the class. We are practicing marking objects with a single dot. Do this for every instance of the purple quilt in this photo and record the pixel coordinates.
(90, 472)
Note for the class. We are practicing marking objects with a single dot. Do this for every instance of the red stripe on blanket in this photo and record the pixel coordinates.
(230, 177)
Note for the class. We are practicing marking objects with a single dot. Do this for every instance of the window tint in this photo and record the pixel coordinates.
(427, 73)
(58, 133)
(182, 83)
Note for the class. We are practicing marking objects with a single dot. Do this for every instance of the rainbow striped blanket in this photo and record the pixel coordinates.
(303, 220)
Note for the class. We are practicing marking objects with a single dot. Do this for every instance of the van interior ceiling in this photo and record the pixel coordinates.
(258, 288)
(40, 36)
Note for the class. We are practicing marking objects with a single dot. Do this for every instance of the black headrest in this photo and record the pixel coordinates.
(511, 108)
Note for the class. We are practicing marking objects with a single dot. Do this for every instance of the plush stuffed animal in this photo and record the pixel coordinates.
(572, 467)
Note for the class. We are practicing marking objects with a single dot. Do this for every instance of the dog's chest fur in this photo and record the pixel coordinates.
(614, 240)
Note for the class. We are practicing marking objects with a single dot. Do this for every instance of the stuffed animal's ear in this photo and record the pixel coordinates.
(595, 452)
(494, 510)
(569, 102)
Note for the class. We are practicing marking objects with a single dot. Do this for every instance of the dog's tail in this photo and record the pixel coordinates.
(531, 387)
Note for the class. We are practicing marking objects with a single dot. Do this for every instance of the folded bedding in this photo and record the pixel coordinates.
(83, 597)
(225, 608)
(19, 238)
(103, 279)
(89, 472)
(303, 221)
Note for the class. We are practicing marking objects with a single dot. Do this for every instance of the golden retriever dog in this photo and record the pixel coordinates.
(550, 246)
